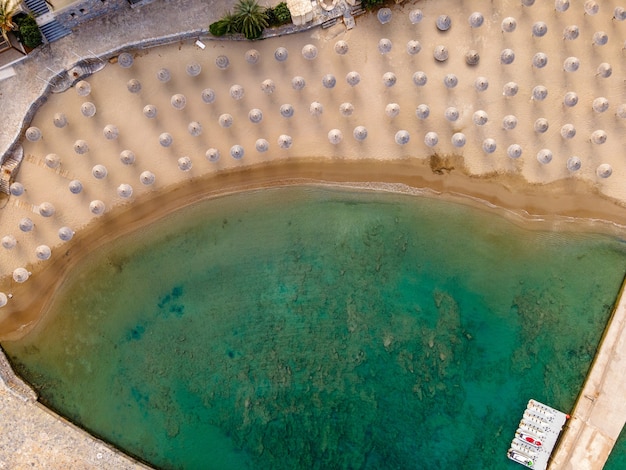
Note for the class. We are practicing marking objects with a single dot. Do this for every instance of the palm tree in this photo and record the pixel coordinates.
(7, 10)
(251, 18)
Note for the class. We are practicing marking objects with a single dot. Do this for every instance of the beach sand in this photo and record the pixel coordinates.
(524, 185)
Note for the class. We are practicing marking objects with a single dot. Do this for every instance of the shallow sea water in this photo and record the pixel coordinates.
(314, 328)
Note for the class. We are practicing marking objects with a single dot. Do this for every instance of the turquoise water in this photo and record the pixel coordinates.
(617, 459)
(315, 328)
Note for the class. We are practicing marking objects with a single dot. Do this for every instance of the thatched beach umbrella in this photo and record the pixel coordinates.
(539, 29)
(110, 132)
(281, 54)
(75, 187)
(540, 60)
(83, 88)
(125, 60)
(570, 99)
(236, 151)
(252, 56)
(127, 157)
(440, 53)
(422, 111)
(147, 178)
(329, 81)
(416, 16)
(458, 139)
(507, 56)
(9, 242)
(402, 137)
(309, 52)
(571, 32)
(133, 85)
(420, 78)
(360, 133)
(476, 19)
(600, 104)
(341, 47)
(619, 14)
(384, 46)
(480, 118)
(212, 155)
(178, 101)
(481, 83)
(539, 93)
(604, 70)
(222, 62)
(66, 234)
(561, 5)
(598, 137)
(59, 120)
(413, 47)
(510, 89)
(184, 164)
(621, 111)
(52, 160)
(4, 299)
(286, 110)
(255, 115)
(43, 252)
(431, 139)
(46, 209)
(268, 86)
(568, 131)
(16, 188)
(208, 95)
(389, 79)
(33, 134)
(508, 24)
(262, 145)
(225, 120)
(509, 122)
(353, 78)
(166, 139)
(514, 151)
(99, 172)
(444, 22)
(600, 38)
(541, 125)
(316, 108)
(26, 224)
(604, 170)
(21, 275)
(544, 156)
(285, 141)
(97, 207)
(571, 64)
(392, 110)
(451, 114)
(194, 128)
(591, 7)
(150, 111)
(163, 75)
(384, 15)
(88, 109)
(346, 109)
(472, 57)
(81, 147)
(450, 80)
(528, 3)
(335, 136)
(489, 145)
(298, 83)
(236, 92)
(194, 69)
(574, 163)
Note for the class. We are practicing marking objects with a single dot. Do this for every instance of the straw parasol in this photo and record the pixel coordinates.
(16, 188)
(476, 19)
(255, 115)
(212, 155)
(472, 57)
(286, 110)
(298, 83)
(335, 136)
(341, 47)
(450, 80)
(194, 69)
(440, 53)
(46, 209)
(561, 5)
(59, 120)
(262, 145)
(600, 104)
(81, 147)
(573, 163)
(541, 125)
(509, 122)
(178, 101)
(360, 133)
(268, 86)
(540, 60)
(539, 93)
(110, 132)
(389, 79)
(489, 145)
(236, 92)
(285, 141)
(481, 83)
(539, 29)
(208, 95)
(166, 139)
(194, 128)
(66, 234)
(621, 111)
(444, 22)
(281, 54)
(125, 60)
(416, 16)
(83, 88)
(52, 160)
(422, 111)
(480, 118)
(570, 99)
(384, 46)
(252, 56)
(88, 109)
(309, 52)
(9, 242)
(420, 78)
(510, 89)
(507, 56)
(163, 75)
(528, 3)
(346, 109)
(402, 137)
(514, 151)
(4, 299)
(571, 32)
(571, 64)
(591, 7)
(147, 178)
(544, 156)
(598, 137)
(225, 120)
(392, 110)
(604, 70)
(431, 139)
(21, 275)
(451, 114)
(604, 170)
(150, 111)
(127, 157)
(26, 224)
(329, 81)
(508, 24)
(43, 252)
(600, 38)
(75, 187)
(99, 172)
(133, 85)
(384, 15)
(33, 134)
(97, 207)
(316, 108)
(184, 164)
(619, 13)
(413, 47)
(236, 151)
(222, 62)
(458, 139)
(568, 131)
(353, 78)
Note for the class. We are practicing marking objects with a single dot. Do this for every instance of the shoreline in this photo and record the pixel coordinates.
(568, 211)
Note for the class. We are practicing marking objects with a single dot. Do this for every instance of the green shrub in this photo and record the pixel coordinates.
(370, 4)
(271, 17)
(283, 15)
(225, 25)
(28, 31)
